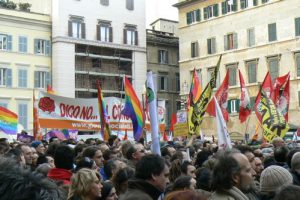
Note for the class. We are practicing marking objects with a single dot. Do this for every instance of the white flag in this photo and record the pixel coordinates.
(224, 141)
(152, 100)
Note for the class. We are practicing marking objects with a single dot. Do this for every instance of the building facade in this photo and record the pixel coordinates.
(91, 42)
(162, 60)
(254, 36)
(25, 57)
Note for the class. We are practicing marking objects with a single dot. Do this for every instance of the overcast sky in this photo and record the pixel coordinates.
(160, 9)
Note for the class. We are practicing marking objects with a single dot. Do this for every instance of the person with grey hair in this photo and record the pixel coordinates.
(295, 168)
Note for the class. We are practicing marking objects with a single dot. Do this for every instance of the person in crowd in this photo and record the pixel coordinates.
(85, 185)
(272, 178)
(258, 169)
(4, 147)
(295, 168)
(135, 153)
(108, 191)
(63, 160)
(86, 162)
(201, 157)
(135, 195)
(288, 192)
(188, 169)
(43, 169)
(39, 147)
(175, 170)
(185, 195)
(280, 156)
(278, 142)
(18, 155)
(151, 176)
(232, 176)
(120, 179)
(54, 139)
(94, 152)
(34, 158)
(204, 178)
(112, 166)
(90, 141)
(184, 183)
(45, 159)
(26, 150)
(290, 156)
(78, 149)
(20, 183)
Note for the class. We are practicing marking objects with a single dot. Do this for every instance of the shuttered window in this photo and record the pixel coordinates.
(251, 71)
(250, 37)
(272, 32)
(211, 46)
(273, 63)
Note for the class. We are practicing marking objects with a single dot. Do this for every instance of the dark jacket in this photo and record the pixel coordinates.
(143, 186)
(296, 178)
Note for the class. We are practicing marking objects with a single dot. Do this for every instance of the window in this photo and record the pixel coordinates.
(22, 81)
(178, 105)
(193, 16)
(162, 81)
(255, 2)
(210, 72)
(5, 77)
(272, 32)
(22, 44)
(41, 47)
(41, 79)
(273, 64)
(229, 6)
(162, 56)
(194, 49)
(104, 2)
(250, 37)
(233, 105)
(297, 58)
(244, 4)
(5, 42)
(130, 4)
(264, 1)
(104, 32)
(297, 26)
(23, 114)
(211, 11)
(251, 71)
(230, 41)
(177, 82)
(130, 35)
(232, 74)
(76, 28)
(211, 45)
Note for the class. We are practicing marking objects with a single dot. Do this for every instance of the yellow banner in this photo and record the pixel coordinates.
(273, 122)
(180, 129)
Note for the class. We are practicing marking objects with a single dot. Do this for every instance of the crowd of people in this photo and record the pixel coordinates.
(187, 169)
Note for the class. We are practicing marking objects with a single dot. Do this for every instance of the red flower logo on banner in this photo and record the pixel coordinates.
(47, 104)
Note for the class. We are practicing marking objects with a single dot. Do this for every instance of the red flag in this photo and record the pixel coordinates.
(221, 96)
(125, 136)
(245, 108)
(195, 89)
(173, 122)
(49, 89)
(283, 101)
(267, 87)
(165, 137)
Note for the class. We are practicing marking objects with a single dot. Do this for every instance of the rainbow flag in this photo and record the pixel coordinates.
(133, 109)
(8, 121)
(195, 90)
(105, 130)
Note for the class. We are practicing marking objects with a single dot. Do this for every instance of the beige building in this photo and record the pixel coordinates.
(25, 57)
(162, 60)
(254, 36)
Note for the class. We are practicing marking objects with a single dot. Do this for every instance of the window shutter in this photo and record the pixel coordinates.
(234, 6)
(297, 26)
(167, 57)
(235, 41)
(188, 18)
(20, 44)
(48, 47)
(9, 42)
(229, 106)
(243, 4)
(36, 79)
(70, 34)
(83, 30)
(255, 2)
(213, 45)
(125, 36)
(272, 32)
(237, 105)
(129, 4)
(216, 10)
(48, 79)
(158, 56)
(25, 44)
(36, 45)
(8, 78)
(197, 49)
(98, 32)
(298, 65)
(198, 16)
(224, 7)
(110, 34)
(208, 46)
(205, 13)
(225, 43)
(136, 38)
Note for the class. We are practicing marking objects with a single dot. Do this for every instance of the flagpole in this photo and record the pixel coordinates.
(120, 107)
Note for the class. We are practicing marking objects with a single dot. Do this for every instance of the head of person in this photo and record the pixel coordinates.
(26, 150)
(94, 153)
(280, 154)
(85, 184)
(232, 169)
(90, 141)
(188, 169)
(185, 195)
(135, 152)
(108, 191)
(290, 156)
(112, 166)
(202, 156)
(258, 166)
(295, 163)
(278, 142)
(184, 183)
(272, 178)
(18, 155)
(248, 152)
(86, 162)
(203, 178)
(39, 147)
(64, 157)
(288, 192)
(153, 169)
(120, 179)
(45, 159)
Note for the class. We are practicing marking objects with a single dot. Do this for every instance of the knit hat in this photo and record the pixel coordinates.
(274, 177)
(35, 144)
